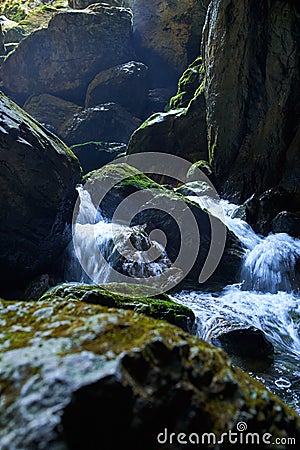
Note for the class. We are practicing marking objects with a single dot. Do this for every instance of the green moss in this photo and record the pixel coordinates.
(190, 84)
(127, 296)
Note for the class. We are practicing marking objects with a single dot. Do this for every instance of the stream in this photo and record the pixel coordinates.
(265, 298)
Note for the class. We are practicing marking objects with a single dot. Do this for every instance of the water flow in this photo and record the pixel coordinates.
(105, 248)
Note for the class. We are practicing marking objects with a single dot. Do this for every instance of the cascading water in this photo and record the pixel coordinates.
(265, 298)
(103, 247)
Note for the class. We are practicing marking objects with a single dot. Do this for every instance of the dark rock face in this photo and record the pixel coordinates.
(101, 378)
(93, 155)
(126, 84)
(254, 76)
(75, 42)
(51, 111)
(37, 181)
(286, 222)
(109, 122)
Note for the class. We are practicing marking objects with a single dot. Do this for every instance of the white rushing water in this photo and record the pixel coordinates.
(266, 296)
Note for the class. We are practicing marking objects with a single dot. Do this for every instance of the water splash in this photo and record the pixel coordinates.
(104, 247)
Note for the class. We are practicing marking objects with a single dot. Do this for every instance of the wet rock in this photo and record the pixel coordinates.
(126, 84)
(2, 48)
(43, 61)
(237, 340)
(38, 176)
(51, 111)
(260, 211)
(108, 122)
(65, 364)
(93, 155)
(189, 82)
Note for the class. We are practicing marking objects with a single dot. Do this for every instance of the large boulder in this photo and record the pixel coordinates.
(251, 59)
(82, 376)
(75, 42)
(126, 84)
(108, 122)
(178, 217)
(37, 180)
(167, 34)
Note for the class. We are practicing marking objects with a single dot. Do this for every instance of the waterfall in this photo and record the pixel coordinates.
(105, 249)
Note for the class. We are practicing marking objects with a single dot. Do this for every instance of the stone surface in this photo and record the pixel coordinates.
(51, 111)
(109, 122)
(43, 61)
(286, 222)
(180, 132)
(167, 34)
(38, 176)
(93, 155)
(126, 84)
(252, 94)
(67, 364)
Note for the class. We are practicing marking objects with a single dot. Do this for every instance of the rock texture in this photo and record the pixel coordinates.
(51, 111)
(37, 180)
(254, 76)
(109, 122)
(43, 62)
(76, 375)
(126, 84)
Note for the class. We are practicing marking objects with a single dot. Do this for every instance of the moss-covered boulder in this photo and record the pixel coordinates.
(75, 375)
(126, 296)
(75, 42)
(164, 208)
(37, 180)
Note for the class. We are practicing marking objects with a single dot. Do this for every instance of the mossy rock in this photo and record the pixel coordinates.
(66, 364)
(191, 79)
(127, 296)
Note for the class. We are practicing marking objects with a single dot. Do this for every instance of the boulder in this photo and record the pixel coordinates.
(167, 34)
(75, 42)
(51, 111)
(109, 122)
(286, 222)
(126, 84)
(93, 155)
(37, 178)
(165, 209)
(82, 376)
(251, 61)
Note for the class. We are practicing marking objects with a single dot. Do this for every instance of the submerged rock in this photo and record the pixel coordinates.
(37, 179)
(65, 364)
(43, 62)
